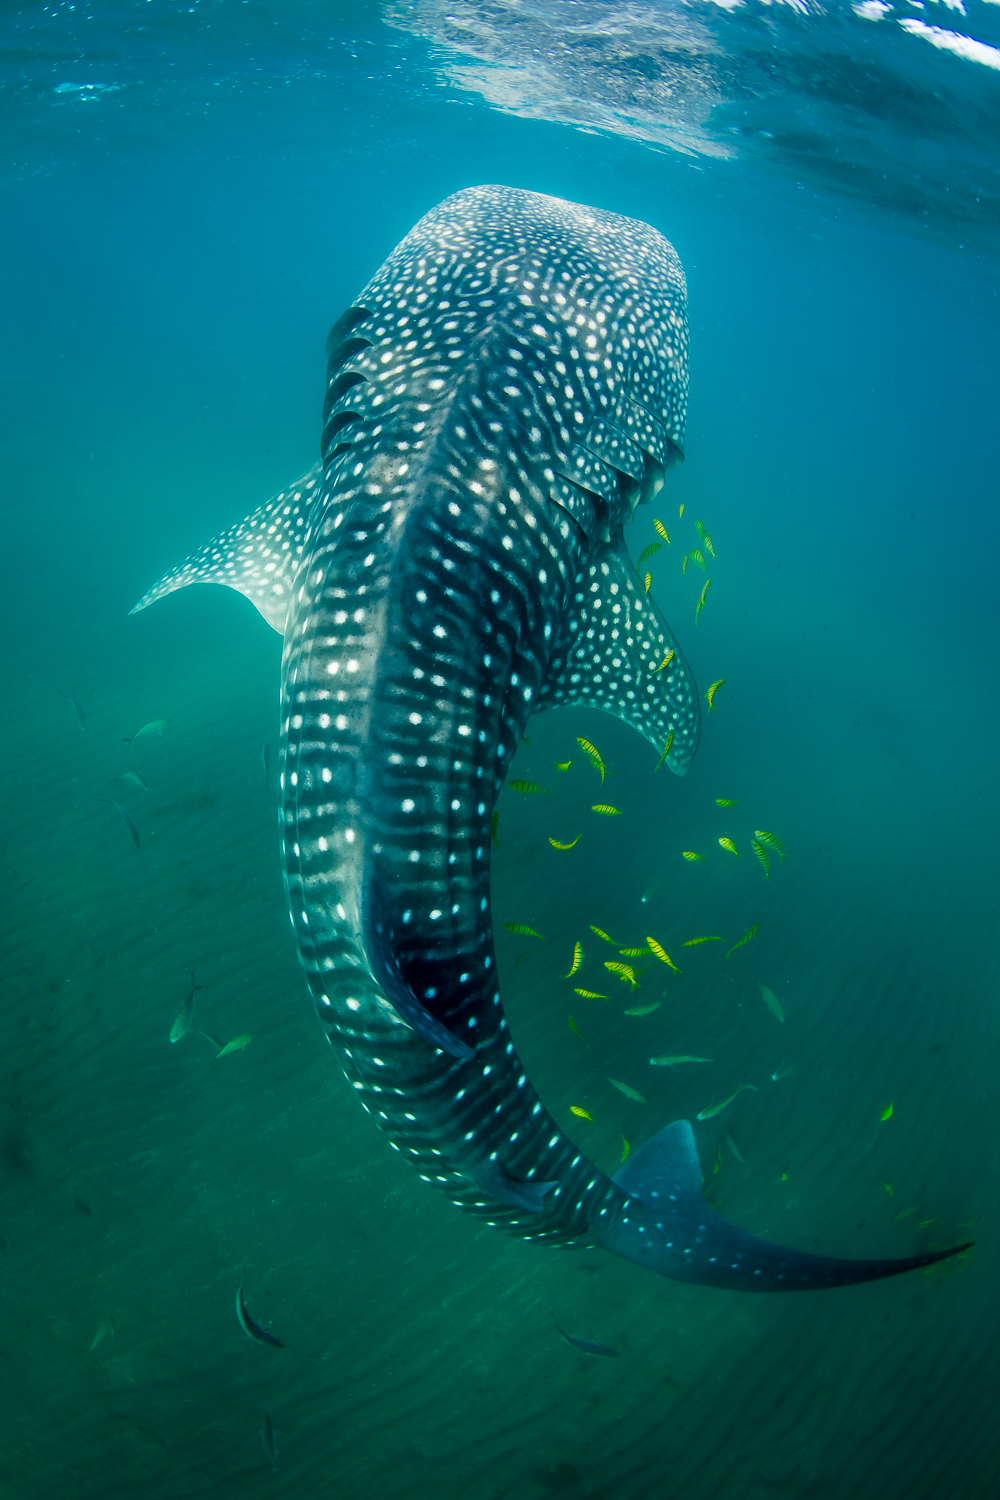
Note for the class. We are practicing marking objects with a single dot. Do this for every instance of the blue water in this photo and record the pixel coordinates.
(191, 195)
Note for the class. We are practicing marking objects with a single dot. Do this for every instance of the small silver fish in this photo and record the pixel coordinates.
(251, 1327)
(185, 1015)
(772, 1002)
(81, 717)
(601, 1351)
(133, 831)
(105, 1330)
(270, 1441)
(155, 726)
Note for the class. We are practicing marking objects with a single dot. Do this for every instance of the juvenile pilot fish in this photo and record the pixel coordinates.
(661, 530)
(728, 844)
(556, 844)
(625, 972)
(661, 953)
(701, 601)
(772, 1002)
(432, 597)
(710, 695)
(751, 932)
(689, 854)
(761, 855)
(770, 841)
(581, 1113)
(602, 934)
(609, 812)
(726, 802)
(592, 754)
(666, 660)
(519, 929)
(667, 747)
(693, 942)
(577, 960)
(494, 825)
(705, 538)
(528, 787)
(648, 552)
(693, 556)
(590, 995)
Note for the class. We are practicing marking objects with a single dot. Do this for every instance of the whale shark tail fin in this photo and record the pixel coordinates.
(666, 1224)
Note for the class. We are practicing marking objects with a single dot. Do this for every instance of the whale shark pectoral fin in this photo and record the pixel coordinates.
(667, 1163)
(497, 1182)
(380, 945)
(259, 557)
(668, 1226)
(602, 659)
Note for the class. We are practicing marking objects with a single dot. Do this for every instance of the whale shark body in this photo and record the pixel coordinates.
(503, 393)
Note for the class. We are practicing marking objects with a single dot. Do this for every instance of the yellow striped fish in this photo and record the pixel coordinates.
(725, 802)
(706, 539)
(604, 935)
(701, 601)
(761, 855)
(593, 753)
(520, 930)
(563, 765)
(661, 530)
(575, 1109)
(556, 844)
(606, 809)
(574, 1028)
(577, 960)
(751, 932)
(662, 954)
(681, 511)
(710, 695)
(648, 552)
(667, 746)
(690, 854)
(648, 581)
(728, 844)
(667, 659)
(770, 841)
(693, 942)
(494, 825)
(591, 995)
(625, 972)
(633, 952)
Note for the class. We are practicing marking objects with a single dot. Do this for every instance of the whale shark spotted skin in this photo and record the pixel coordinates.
(503, 393)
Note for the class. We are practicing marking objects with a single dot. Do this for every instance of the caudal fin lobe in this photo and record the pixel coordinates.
(667, 1225)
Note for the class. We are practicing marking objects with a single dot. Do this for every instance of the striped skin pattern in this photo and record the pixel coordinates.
(502, 394)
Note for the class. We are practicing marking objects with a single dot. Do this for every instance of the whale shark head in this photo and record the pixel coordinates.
(504, 392)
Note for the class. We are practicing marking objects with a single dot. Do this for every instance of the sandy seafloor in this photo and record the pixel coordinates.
(840, 454)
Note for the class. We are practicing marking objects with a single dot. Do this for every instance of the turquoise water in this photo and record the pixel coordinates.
(176, 245)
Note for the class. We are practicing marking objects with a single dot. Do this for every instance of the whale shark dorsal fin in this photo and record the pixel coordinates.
(610, 655)
(667, 1165)
(258, 557)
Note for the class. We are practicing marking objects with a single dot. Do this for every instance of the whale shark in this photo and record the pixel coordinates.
(500, 397)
